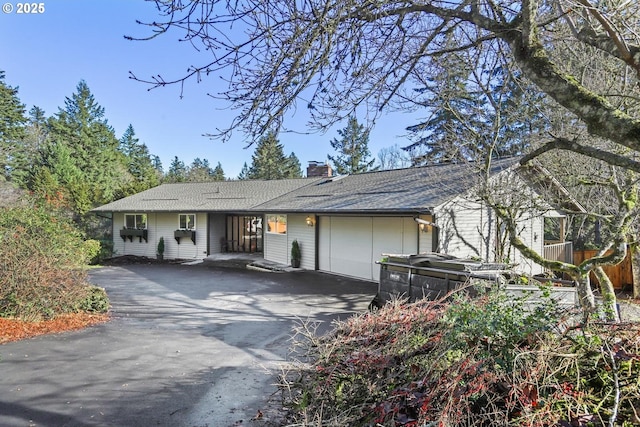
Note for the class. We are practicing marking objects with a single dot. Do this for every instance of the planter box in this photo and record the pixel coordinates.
(130, 233)
(178, 234)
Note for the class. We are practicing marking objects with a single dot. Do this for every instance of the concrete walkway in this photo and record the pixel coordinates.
(188, 345)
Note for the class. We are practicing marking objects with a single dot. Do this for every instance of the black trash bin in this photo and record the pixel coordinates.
(431, 276)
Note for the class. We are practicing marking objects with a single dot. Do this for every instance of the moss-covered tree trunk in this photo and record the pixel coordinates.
(608, 295)
(585, 295)
(635, 266)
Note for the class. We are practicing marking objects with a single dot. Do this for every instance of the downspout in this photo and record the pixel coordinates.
(317, 242)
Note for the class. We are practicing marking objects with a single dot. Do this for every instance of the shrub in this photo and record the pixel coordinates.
(487, 361)
(91, 249)
(106, 251)
(42, 261)
(95, 300)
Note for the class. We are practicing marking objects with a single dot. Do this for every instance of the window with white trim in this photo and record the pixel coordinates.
(135, 221)
(187, 221)
(277, 224)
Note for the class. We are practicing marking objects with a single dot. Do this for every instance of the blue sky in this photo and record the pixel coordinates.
(46, 55)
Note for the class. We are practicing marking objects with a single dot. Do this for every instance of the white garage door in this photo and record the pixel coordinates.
(352, 245)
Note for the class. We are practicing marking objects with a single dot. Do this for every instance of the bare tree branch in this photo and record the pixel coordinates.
(608, 157)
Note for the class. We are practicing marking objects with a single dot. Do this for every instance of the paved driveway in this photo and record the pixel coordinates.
(187, 346)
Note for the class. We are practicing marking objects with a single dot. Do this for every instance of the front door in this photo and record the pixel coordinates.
(244, 233)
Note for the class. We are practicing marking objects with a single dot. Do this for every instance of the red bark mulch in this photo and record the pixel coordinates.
(14, 329)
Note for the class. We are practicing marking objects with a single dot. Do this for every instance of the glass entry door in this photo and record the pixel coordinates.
(244, 233)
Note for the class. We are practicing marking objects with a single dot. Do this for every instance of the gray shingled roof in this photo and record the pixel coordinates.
(223, 196)
(401, 190)
(408, 190)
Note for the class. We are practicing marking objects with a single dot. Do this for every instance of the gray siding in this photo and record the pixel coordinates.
(276, 248)
(464, 229)
(297, 229)
(163, 225)
(216, 232)
(135, 247)
(425, 238)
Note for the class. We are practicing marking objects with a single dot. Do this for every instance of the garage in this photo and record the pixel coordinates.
(351, 245)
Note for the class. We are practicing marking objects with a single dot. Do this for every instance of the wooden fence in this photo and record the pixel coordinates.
(621, 275)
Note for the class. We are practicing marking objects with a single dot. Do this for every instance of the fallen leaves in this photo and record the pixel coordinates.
(14, 329)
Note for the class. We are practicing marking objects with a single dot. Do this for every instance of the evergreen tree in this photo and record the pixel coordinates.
(59, 178)
(293, 167)
(476, 108)
(244, 172)
(199, 171)
(218, 173)
(269, 161)
(353, 149)
(12, 127)
(82, 130)
(177, 171)
(443, 135)
(157, 165)
(142, 173)
(25, 158)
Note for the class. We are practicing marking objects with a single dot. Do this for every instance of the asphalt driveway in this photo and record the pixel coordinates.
(194, 346)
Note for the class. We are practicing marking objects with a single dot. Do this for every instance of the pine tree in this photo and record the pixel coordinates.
(81, 128)
(199, 171)
(139, 163)
(452, 120)
(26, 157)
(218, 173)
(177, 171)
(59, 178)
(353, 149)
(269, 161)
(475, 109)
(244, 172)
(12, 127)
(157, 165)
(293, 167)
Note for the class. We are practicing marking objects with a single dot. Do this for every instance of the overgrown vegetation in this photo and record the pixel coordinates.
(488, 361)
(42, 265)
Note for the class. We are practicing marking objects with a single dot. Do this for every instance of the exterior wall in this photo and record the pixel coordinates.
(135, 247)
(297, 228)
(532, 234)
(216, 232)
(426, 237)
(162, 224)
(466, 230)
(277, 247)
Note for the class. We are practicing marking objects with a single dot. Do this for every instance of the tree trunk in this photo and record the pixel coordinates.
(585, 296)
(635, 266)
(608, 296)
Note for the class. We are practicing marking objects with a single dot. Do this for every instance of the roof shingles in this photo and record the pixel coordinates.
(401, 190)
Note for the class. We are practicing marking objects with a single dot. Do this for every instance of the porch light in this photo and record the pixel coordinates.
(425, 226)
(309, 221)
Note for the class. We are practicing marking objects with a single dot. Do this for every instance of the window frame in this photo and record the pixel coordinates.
(143, 218)
(180, 227)
(277, 220)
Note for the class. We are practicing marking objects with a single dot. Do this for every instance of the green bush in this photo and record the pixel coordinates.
(485, 361)
(43, 258)
(95, 301)
(106, 251)
(498, 322)
(92, 249)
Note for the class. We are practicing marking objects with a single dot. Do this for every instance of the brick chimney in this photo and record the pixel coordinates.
(316, 169)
